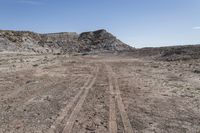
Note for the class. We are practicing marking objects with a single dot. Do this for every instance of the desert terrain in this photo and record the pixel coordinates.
(98, 94)
(94, 83)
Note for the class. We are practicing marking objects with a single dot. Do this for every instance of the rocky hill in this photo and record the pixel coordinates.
(61, 43)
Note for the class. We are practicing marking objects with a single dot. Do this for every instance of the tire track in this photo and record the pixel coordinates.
(124, 116)
(125, 119)
(77, 85)
(70, 122)
(112, 111)
(65, 111)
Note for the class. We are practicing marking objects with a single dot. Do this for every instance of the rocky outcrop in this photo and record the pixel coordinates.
(101, 40)
(66, 42)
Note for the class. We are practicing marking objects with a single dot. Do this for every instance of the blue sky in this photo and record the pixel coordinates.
(140, 23)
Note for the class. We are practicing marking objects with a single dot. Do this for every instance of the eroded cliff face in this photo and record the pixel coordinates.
(66, 42)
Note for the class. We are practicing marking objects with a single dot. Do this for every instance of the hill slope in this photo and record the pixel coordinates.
(170, 53)
(66, 42)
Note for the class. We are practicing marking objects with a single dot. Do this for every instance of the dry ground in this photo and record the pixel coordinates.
(98, 94)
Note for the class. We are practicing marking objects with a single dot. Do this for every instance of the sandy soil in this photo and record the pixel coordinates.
(98, 94)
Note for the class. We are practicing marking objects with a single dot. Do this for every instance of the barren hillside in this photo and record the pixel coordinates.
(61, 43)
(170, 53)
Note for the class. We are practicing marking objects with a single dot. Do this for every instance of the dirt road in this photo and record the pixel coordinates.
(98, 94)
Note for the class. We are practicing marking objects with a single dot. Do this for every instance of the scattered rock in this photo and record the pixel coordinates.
(197, 71)
(35, 65)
